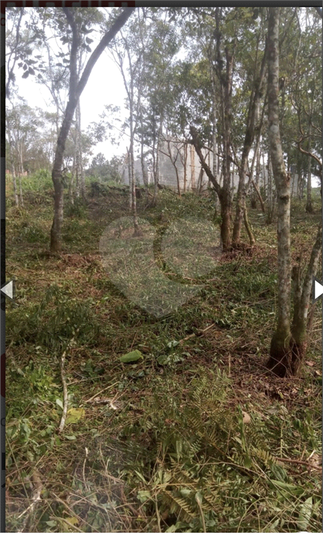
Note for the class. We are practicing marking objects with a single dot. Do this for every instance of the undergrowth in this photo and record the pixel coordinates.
(195, 436)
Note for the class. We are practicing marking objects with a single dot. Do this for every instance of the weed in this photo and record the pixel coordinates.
(194, 436)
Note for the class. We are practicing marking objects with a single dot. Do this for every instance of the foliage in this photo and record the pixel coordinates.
(163, 444)
(105, 170)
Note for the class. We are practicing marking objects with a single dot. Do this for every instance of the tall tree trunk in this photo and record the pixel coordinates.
(288, 344)
(155, 169)
(280, 351)
(225, 196)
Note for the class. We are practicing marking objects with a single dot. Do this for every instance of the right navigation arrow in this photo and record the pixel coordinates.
(318, 289)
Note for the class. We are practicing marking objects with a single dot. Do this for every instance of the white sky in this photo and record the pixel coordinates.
(105, 86)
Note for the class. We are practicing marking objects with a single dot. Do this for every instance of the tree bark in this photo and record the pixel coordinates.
(289, 342)
(280, 349)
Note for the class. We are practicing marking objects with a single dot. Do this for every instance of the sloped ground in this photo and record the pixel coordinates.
(194, 436)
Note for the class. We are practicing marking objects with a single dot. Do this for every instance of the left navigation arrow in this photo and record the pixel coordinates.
(8, 289)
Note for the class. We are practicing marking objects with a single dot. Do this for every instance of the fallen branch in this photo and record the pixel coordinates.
(34, 499)
(296, 461)
(63, 378)
(199, 333)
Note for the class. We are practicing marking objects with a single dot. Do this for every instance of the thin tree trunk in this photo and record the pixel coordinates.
(143, 167)
(14, 183)
(262, 204)
(251, 237)
(71, 184)
(309, 205)
(302, 296)
(78, 153)
(224, 193)
(11, 159)
(21, 172)
(270, 213)
(21, 198)
(75, 92)
(174, 160)
(185, 167)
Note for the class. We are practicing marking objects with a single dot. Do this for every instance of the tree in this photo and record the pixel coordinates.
(75, 91)
(255, 86)
(105, 170)
(288, 344)
(156, 100)
(124, 51)
(24, 142)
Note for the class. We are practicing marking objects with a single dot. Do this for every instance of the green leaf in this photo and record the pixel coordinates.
(305, 514)
(247, 461)
(74, 415)
(143, 495)
(292, 489)
(185, 492)
(51, 523)
(133, 356)
(163, 359)
(172, 343)
(59, 403)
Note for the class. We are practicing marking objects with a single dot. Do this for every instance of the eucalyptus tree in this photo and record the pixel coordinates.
(222, 58)
(221, 80)
(160, 42)
(70, 26)
(305, 96)
(251, 68)
(75, 90)
(289, 341)
(24, 134)
(128, 57)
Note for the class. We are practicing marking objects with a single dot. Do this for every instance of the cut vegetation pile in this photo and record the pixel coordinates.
(192, 434)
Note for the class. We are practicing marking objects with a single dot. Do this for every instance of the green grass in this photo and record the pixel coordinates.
(196, 435)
